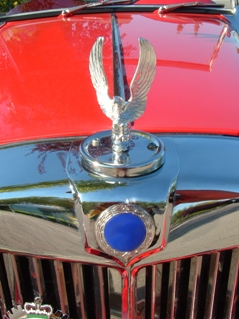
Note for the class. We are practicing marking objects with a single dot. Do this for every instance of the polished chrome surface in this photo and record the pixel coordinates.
(49, 206)
(145, 155)
(47, 198)
(115, 210)
(122, 112)
(195, 287)
(206, 211)
(153, 192)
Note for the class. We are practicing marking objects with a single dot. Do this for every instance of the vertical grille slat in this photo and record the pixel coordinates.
(102, 305)
(37, 279)
(212, 281)
(5, 293)
(172, 300)
(3, 307)
(13, 278)
(153, 289)
(222, 284)
(231, 297)
(138, 292)
(194, 278)
(61, 286)
(77, 277)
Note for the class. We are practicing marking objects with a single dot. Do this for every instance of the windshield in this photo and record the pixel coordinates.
(18, 6)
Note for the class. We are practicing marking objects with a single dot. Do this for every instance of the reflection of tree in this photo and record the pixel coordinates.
(54, 213)
(95, 185)
(17, 188)
(180, 27)
(60, 148)
(196, 209)
(56, 209)
(7, 5)
(196, 27)
(93, 209)
(37, 5)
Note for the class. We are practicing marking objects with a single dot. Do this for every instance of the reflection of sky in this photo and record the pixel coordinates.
(208, 163)
(56, 191)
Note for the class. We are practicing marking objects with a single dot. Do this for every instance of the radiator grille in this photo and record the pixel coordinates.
(199, 287)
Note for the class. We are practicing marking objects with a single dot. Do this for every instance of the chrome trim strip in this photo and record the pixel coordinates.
(194, 279)
(13, 277)
(232, 297)
(212, 281)
(173, 277)
(35, 269)
(3, 307)
(101, 308)
(77, 277)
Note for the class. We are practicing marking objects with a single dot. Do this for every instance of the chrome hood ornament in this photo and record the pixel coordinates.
(122, 152)
(120, 111)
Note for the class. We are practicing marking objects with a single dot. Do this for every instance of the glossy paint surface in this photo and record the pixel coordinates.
(46, 90)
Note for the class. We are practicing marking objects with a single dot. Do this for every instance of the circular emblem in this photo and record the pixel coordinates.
(124, 230)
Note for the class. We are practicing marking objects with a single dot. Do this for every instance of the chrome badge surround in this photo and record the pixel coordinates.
(122, 152)
(115, 210)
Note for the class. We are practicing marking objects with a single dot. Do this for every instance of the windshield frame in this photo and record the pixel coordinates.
(114, 8)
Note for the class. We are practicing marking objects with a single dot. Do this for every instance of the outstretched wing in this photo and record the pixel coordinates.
(99, 79)
(141, 81)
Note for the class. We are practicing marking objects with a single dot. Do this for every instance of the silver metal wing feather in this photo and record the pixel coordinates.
(141, 82)
(99, 79)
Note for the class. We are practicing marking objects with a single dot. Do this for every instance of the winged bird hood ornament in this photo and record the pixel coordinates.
(120, 111)
(122, 152)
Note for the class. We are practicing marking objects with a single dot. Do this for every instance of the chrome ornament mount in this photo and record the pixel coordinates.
(124, 230)
(122, 152)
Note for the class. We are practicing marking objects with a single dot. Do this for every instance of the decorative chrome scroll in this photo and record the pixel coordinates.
(120, 111)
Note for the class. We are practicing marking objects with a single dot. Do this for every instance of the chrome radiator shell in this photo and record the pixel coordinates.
(40, 230)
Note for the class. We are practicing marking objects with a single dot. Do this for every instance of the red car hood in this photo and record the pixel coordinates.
(46, 89)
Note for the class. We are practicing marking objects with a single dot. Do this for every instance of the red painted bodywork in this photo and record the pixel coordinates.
(46, 89)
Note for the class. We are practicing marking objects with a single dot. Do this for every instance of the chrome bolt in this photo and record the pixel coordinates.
(95, 142)
(152, 146)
